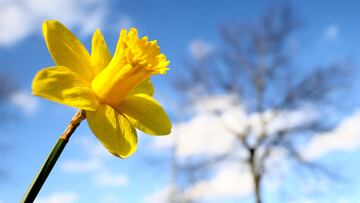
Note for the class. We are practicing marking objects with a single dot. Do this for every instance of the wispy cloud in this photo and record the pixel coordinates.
(309, 200)
(214, 119)
(204, 125)
(95, 161)
(19, 19)
(27, 103)
(106, 179)
(125, 22)
(229, 181)
(111, 197)
(163, 142)
(78, 166)
(331, 32)
(229, 116)
(345, 137)
(161, 195)
(58, 197)
(14, 23)
(94, 165)
(200, 49)
(94, 20)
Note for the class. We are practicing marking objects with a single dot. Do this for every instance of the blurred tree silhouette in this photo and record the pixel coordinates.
(256, 64)
(7, 87)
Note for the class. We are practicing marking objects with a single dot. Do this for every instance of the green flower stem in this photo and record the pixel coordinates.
(45, 170)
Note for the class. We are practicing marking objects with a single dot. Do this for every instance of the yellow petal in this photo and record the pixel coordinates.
(145, 87)
(66, 49)
(100, 54)
(134, 61)
(146, 114)
(62, 85)
(113, 130)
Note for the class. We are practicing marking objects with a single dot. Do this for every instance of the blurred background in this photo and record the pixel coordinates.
(263, 96)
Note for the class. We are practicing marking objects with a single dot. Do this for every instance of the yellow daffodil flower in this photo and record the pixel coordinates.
(115, 91)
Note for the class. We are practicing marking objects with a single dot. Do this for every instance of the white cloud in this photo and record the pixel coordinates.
(99, 174)
(18, 19)
(162, 143)
(107, 179)
(331, 32)
(93, 21)
(190, 136)
(14, 24)
(58, 197)
(77, 166)
(27, 103)
(200, 49)
(215, 103)
(230, 181)
(290, 119)
(111, 198)
(210, 130)
(200, 128)
(207, 133)
(204, 134)
(345, 137)
(306, 201)
(341, 200)
(96, 152)
(158, 196)
(125, 23)
(91, 146)
(94, 164)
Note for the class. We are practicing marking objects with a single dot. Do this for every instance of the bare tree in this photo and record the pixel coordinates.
(256, 64)
(6, 89)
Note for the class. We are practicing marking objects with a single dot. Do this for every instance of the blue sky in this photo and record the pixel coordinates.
(85, 171)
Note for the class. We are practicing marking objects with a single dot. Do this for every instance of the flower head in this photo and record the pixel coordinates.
(115, 91)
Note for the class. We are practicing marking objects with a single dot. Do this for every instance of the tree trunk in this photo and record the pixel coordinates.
(256, 176)
(257, 179)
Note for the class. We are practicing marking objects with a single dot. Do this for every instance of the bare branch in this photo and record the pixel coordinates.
(255, 63)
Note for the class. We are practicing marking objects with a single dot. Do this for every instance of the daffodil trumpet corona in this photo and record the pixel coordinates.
(113, 92)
